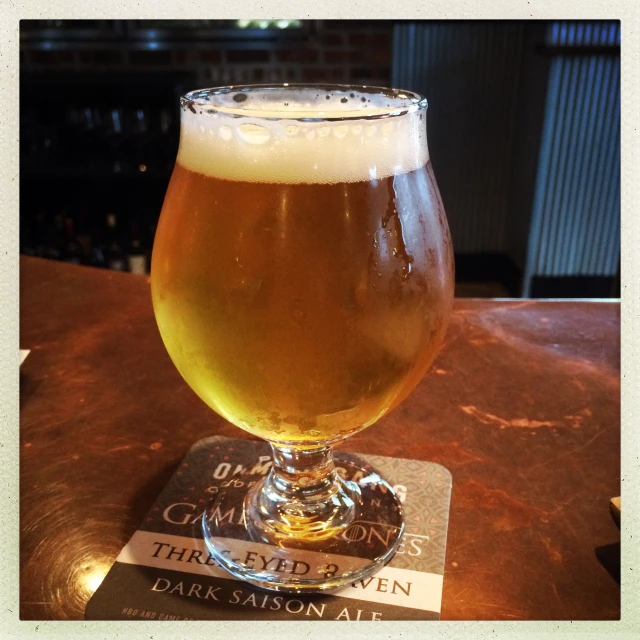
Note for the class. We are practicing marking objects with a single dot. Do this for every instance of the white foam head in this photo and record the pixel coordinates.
(293, 134)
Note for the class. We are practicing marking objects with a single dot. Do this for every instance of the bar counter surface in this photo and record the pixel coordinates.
(522, 405)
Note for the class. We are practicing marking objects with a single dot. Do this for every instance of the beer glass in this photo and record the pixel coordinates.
(302, 279)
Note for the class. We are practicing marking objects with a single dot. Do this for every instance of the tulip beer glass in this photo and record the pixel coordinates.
(302, 279)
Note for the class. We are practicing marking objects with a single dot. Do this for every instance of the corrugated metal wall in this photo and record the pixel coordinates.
(575, 226)
(470, 74)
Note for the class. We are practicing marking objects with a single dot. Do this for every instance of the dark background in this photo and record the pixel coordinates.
(523, 130)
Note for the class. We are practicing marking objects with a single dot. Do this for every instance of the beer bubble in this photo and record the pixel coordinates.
(298, 312)
(341, 131)
(324, 131)
(225, 132)
(344, 100)
(291, 129)
(201, 128)
(310, 134)
(254, 133)
(356, 129)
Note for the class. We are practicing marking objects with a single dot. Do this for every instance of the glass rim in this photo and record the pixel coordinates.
(408, 102)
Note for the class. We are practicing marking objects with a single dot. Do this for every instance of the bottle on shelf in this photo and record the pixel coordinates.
(53, 244)
(137, 258)
(116, 256)
(28, 235)
(71, 250)
(97, 231)
(40, 232)
(98, 255)
(83, 234)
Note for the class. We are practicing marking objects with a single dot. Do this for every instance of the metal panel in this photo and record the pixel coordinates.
(470, 74)
(576, 212)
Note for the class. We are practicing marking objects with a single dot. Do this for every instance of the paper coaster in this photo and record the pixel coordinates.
(166, 573)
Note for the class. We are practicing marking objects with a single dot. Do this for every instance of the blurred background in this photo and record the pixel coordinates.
(523, 130)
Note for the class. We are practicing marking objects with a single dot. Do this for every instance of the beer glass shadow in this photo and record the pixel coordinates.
(146, 497)
(609, 557)
(28, 387)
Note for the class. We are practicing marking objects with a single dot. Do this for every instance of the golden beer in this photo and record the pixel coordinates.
(302, 286)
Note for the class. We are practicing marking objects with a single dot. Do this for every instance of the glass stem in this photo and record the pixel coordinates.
(302, 499)
(303, 474)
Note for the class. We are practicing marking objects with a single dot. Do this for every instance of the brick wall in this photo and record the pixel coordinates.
(340, 51)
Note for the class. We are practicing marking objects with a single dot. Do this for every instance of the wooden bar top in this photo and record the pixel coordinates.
(522, 405)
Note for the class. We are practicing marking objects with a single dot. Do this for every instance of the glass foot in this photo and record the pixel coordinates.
(319, 541)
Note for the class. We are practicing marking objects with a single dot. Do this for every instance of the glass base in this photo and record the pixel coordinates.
(307, 546)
